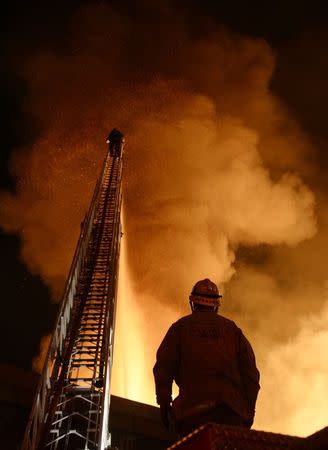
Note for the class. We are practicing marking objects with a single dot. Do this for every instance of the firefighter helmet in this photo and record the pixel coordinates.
(205, 292)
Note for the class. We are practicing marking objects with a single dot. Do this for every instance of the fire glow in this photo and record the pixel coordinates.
(214, 171)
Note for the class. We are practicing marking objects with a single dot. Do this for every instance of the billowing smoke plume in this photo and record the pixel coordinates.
(214, 168)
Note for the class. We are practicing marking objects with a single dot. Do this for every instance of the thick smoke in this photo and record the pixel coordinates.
(213, 168)
(299, 368)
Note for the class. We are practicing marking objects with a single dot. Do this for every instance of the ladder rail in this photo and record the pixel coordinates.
(110, 328)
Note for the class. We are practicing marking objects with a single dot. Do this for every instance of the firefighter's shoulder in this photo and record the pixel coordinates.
(182, 321)
(228, 324)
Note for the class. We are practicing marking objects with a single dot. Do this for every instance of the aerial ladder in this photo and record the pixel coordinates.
(71, 405)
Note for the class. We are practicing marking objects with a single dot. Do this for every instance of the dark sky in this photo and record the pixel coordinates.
(26, 310)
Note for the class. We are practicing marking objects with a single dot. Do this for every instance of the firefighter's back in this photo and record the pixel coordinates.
(209, 361)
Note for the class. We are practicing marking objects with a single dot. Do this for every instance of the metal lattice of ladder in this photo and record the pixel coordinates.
(71, 406)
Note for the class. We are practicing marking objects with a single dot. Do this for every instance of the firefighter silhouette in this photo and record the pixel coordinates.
(212, 363)
(115, 141)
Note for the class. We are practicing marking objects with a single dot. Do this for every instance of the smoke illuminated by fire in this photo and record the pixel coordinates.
(213, 187)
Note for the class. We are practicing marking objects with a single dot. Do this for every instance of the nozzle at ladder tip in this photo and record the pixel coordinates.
(115, 141)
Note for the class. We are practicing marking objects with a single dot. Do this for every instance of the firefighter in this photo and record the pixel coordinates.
(115, 141)
(212, 363)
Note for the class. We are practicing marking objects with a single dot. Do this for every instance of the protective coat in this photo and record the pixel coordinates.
(211, 361)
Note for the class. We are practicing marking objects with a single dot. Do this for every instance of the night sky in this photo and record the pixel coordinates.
(297, 34)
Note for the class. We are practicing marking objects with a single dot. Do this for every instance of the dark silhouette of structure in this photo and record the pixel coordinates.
(219, 437)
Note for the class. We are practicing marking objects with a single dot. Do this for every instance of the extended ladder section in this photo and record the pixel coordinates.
(71, 407)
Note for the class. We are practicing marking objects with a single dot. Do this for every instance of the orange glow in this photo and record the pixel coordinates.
(38, 361)
(138, 333)
(219, 181)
